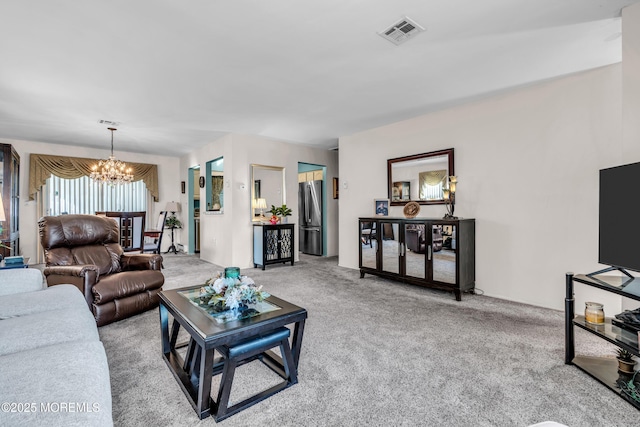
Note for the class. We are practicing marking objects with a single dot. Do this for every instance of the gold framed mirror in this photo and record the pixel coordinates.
(268, 187)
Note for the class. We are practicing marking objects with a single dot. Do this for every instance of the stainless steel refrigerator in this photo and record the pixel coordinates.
(310, 217)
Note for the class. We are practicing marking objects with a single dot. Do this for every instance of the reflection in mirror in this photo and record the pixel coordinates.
(215, 186)
(267, 189)
(416, 242)
(420, 177)
(444, 253)
(369, 242)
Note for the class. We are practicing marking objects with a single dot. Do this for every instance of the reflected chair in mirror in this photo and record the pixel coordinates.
(85, 251)
(153, 238)
(416, 240)
(368, 232)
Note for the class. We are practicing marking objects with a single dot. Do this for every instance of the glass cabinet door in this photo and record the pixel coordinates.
(443, 245)
(390, 246)
(368, 243)
(415, 238)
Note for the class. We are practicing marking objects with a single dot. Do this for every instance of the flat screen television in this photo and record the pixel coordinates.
(619, 224)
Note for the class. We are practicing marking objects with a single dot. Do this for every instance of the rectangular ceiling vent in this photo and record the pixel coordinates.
(108, 122)
(401, 31)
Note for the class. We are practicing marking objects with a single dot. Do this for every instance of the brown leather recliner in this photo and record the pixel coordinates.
(83, 250)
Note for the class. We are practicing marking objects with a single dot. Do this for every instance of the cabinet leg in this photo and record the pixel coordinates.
(361, 274)
(263, 267)
(458, 293)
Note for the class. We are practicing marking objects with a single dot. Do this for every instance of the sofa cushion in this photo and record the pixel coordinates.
(120, 285)
(47, 328)
(74, 374)
(55, 298)
(18, 280)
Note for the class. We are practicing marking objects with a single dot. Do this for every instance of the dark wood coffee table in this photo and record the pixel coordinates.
(194, 371)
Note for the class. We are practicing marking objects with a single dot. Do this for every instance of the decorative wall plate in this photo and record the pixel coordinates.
(411, 209)
(201, 182)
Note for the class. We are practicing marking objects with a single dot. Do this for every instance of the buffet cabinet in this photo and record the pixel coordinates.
(273, 244)
(10, 193)
(433, 253)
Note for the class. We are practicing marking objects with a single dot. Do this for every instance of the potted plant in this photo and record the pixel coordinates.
(173, 222)
(626, 363)
(280, 213)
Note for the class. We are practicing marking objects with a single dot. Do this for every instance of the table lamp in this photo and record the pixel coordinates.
(261, 204)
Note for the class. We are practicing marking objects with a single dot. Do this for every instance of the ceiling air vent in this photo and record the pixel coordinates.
(108, 122)
(401, 31)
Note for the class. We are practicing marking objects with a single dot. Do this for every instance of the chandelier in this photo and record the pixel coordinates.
(111, 171)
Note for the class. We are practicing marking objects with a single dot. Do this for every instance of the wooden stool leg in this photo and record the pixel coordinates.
(290, 369)
(225, 387)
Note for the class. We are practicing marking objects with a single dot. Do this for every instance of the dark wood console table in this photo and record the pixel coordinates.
(433, 253)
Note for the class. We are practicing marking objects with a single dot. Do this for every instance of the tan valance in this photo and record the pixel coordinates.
(42, 166)
(432, 177)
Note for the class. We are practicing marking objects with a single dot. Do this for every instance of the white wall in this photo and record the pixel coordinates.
(631, 79)
(527, 164)
(228, 239)
(631, 93)
(169, 185)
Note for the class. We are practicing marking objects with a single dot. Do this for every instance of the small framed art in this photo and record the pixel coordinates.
(382, 207)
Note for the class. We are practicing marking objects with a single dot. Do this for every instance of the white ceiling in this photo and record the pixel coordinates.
(179, 74)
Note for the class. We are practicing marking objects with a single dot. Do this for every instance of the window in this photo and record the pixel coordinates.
(84, 196)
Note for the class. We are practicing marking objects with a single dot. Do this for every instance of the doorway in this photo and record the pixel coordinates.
(312, 209)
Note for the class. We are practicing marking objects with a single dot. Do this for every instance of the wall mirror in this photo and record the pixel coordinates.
(419, 178)
(267, 189)
(215, 185)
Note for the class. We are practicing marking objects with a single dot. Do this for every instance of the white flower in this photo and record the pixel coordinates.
(233, 297)
(218, 285)
(247, 280)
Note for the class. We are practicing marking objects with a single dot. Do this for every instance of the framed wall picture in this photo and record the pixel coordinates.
(183, 187)
(335, 188)
(382, 207)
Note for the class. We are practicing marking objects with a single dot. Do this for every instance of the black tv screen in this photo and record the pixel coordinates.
(619, 229)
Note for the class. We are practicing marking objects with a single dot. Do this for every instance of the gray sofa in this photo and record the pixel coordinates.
(53, 367)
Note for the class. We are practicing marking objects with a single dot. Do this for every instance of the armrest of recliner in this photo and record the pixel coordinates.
(81, 276)
(141, 262)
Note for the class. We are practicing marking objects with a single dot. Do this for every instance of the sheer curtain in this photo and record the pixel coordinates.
(84, 196)
(431, 184)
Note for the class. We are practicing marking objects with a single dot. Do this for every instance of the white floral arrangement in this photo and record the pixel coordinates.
(231, 292)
